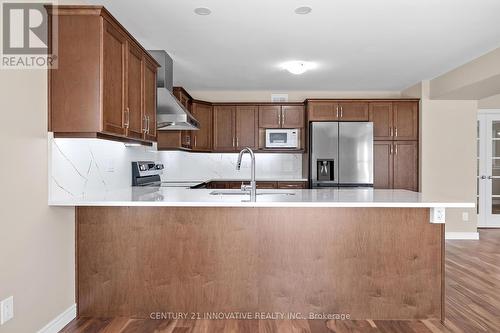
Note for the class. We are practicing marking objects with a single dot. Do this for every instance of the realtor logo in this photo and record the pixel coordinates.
(25, 35)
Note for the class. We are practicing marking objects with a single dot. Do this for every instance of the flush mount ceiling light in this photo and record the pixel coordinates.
(303, 10)
(298, 67)
(202, 11)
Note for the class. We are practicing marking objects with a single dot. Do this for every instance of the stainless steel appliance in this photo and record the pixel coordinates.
(282, 138)
(148, 174)
(341, 154)
(171, 114)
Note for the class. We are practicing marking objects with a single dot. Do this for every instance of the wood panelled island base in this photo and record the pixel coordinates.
(370, 263)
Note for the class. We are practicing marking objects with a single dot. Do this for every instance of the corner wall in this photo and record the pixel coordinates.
(448, 153)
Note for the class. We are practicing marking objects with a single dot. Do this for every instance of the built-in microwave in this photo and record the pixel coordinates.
(282, 138)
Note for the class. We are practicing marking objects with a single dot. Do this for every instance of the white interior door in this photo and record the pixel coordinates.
(488, 176)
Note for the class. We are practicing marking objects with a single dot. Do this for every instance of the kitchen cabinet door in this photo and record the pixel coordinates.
(353, 111)
(292, 116)
(149, 100)
(265, 185)
(115, 117)
(383, 164)
(292, 185)
(246, 126)
(202, 138)
(224, 136)
(136, 124)
(270, 116)
(322, 111)
(405, 120)
(405, 165)
(381, 115)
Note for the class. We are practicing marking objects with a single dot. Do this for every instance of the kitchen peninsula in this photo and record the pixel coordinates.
(372, 254)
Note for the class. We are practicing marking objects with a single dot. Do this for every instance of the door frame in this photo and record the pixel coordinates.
(486, 219)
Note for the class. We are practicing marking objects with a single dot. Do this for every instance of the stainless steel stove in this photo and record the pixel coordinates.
(147, 173)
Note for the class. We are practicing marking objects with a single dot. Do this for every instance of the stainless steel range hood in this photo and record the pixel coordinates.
(171, 114)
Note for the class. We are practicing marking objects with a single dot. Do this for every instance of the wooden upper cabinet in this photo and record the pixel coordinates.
(353, 111)
(322, 111)
(185, 99)
(202, 138)
(246, 123)
(382, 164)
(134, 116)
(292, 116)
(149, 99)
(116, 119)
(182, 96)
(381, 115)
(405, 120)
(405, 165)
(270, 116)
(224, 129)
(105, 82)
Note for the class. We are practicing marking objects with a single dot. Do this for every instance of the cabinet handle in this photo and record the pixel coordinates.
(396, 131)
(395, 149)
(337, 111)
(147, 118)
(282, 119)
(127, 118)
(390, 151)
(195, 141)
(279, 118)
(145, 124)
(233, 141)
(341, 111)
(392, 132)
(237, 142)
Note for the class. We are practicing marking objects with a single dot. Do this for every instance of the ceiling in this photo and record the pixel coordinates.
(358, 44)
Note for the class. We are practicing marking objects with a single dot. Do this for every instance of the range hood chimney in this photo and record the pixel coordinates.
(171, 114)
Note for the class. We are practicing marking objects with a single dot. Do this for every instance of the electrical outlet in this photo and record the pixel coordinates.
(465, 216)
(6, 310)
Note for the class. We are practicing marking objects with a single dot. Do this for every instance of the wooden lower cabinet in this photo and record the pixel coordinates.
(292, 185)
(260, 185)
(396, 165)
(405, 165)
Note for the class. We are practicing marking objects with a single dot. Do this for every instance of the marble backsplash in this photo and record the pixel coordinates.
(202, 166)
(80, 167)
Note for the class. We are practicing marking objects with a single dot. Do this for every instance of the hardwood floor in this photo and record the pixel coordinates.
(472, 304)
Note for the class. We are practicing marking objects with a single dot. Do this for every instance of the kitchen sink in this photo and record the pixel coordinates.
(229, 192)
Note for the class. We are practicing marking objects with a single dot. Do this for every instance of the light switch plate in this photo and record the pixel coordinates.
(6, 310)
(438, 215)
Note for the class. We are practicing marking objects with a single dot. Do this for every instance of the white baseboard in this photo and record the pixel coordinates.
(462, 235)
(60, 321)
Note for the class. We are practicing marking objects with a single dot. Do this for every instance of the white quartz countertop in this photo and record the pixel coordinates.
(184, 197)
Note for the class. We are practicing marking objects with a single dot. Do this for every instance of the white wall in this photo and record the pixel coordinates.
(37, 247)
(448, 153)
(492, 102)
(205, 166)
(293, 96)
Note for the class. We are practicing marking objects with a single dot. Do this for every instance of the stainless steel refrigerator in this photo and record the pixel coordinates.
(341, 154)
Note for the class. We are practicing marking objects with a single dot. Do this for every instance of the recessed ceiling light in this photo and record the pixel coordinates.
(303, 10)
(202, 11)
(298, 67)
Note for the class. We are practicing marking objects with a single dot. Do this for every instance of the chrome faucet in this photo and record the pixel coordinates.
(253, 185)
